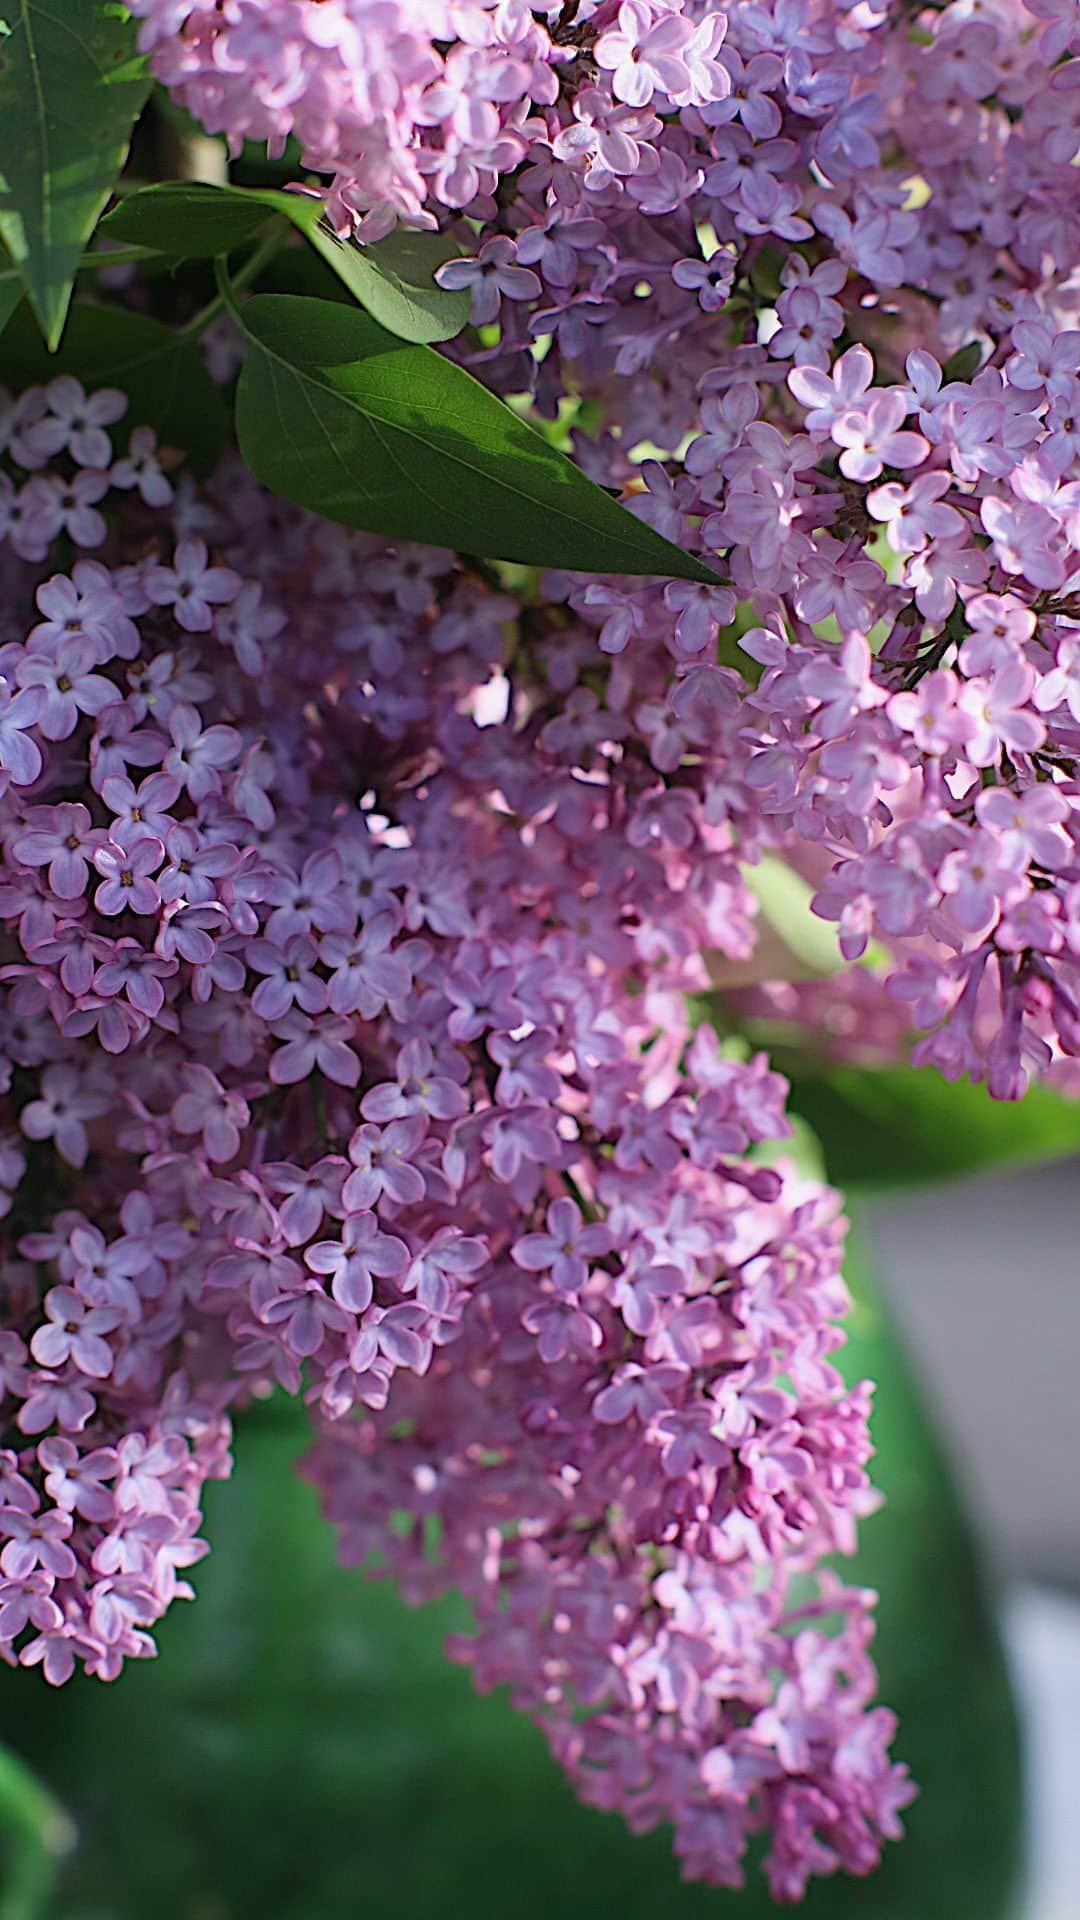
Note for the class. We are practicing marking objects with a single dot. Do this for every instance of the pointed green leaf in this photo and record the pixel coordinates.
(393, 278)
(888, 1126)
(71, 88)
(11, 292)
(336, 414)
(163, 375)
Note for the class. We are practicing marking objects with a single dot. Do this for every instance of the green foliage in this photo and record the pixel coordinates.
(34, 1835)
(392, 278)
(964, 362)
(340, 416)
(162, 373)
(886, 1127)
(301, 1751)
(11, 292)
(71, 88)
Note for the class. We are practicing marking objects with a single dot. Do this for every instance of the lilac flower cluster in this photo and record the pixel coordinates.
(346, 1047)
(735, 251)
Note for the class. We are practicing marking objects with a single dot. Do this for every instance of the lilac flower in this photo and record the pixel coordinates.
(126, 876)
(70, 686)
(75, 1481)
(871, 437)
(365, 976)
(63, 839)
(310, 1045)
(67, 1100)
(20, 758)
(75, 1332)
(210, 1110)
(36, 1540)
(354, 1262)
(140, 811)
(491, 278)
(383, 1163)
(289, 977)
(565, 1249)
(1000, 715)
(710, 279)
(191, 586)
(644, 53)
(75, 423)
(830, 396)
(86, 606)
(139, 468)
(469, 847)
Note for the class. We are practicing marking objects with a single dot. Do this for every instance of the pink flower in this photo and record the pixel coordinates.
(36, 1540)
(934, 715)
(1001, 715)
(977, 879)
(916, 514)
(645, 54)
(872, 439)
(832, 395)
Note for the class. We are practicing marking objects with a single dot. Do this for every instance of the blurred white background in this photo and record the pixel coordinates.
(984, 1277)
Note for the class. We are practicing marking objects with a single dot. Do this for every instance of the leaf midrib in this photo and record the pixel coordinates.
(393, 426)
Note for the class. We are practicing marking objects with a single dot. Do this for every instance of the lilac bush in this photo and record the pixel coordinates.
(459, 1171)
(363, 899)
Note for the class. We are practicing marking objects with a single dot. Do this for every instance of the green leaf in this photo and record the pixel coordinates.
(964, 362)
(336, 414)
(300, 1750)
(36, 1834)
(71, 89)
(11, 293)
(392, 278)
(163, 375)
(793, 942)
(891, 1126)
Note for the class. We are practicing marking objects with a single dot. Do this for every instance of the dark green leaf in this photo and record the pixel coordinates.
(335, 413)
(890, 1126)
(188, 219)
(392, 278)
(163, 375)
(964, 362)
(71, 89)
(11, 292)
(301, 1751)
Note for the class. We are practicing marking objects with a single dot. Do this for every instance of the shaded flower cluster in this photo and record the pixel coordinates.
(801, 278)
(347, 936)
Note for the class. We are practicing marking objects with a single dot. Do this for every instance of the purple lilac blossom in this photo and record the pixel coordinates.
(344, 1048)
